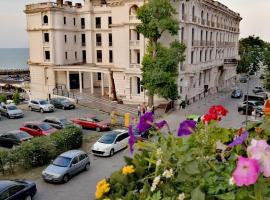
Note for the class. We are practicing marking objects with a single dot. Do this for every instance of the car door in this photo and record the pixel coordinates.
(74, 166)
(117, 142)
(82, 161)
(36, 130)
(5, 141)
(35, 105)
(17, 192)
(4, 110)
(124, 141)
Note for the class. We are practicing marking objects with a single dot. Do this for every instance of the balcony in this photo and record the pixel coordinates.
(135, 66)
(82, 26)
(208, 23)
(213, 24)
(212, 43)
(184, 17)
(133, 19)
(83, 44)
(98, 44)
(194, 19)
(230, 61)
(203, 22)
(134, 44)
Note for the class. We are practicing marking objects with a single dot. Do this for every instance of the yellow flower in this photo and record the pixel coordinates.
(258, 130)
(128, 169)
(102, 188)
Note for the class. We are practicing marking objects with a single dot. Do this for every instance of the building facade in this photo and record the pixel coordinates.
(75, 46)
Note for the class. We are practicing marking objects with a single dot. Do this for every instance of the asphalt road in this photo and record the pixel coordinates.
(83, 186)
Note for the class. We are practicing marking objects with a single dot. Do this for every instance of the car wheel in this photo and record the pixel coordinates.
(112, 152)
(87, 167)
(41, 110)
(66, 178)
(28, 198)
(8, 116)
(98, 129)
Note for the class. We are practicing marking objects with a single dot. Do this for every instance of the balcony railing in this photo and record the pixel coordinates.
(134, 43)
(99, 60)
(213, 24)
(212, 43)
(133, 18)
(98, 25)
(230, 61)
(203, 22)
(83, 44)
(110, 44)
(208, 23)
(82, 26)
(184, 17)
(98, 44)
(135, 66)
(194, 19)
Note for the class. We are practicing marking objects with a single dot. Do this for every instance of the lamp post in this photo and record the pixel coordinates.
(247, 97)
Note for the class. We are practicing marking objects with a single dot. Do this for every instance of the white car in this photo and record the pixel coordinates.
(41, 106)
(111, 142)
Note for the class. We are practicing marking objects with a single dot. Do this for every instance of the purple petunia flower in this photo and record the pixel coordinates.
(161, 124)
(239, 140)
(132, 139)
(186, 127)
(145, 122)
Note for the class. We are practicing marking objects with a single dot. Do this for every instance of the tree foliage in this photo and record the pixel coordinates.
(160, 63)
(16, 97)
(251, 50)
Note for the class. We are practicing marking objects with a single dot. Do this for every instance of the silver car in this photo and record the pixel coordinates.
(40, 105)
(11, 111)
(66, 165)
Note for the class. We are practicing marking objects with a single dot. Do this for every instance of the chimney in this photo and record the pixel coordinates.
(59, 2)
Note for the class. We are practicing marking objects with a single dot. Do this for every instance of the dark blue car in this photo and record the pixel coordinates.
(17, 190)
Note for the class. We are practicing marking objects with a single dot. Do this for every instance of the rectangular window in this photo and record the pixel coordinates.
(111, 56)
(76, 55)
(82, 23)
(65, 38)
(182, 34)
(98, 22)
(138, 36)
(205, 56)
(74, 21)
(99, 76)
(192, 57)
(75, 38)
(66, 55)
(200, 77)
(83, 39)
(110, 39)
(98, 39)
(201, 56)
(109, 22)
(84, 56)
(138, 58)
(65, 21)
(46, 37)
(99, 56)
(47, 55)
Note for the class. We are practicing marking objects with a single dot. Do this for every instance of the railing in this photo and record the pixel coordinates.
(82, 26)
(184, 17)
(133, 18)
(134, 43)
(208, 23)
(98, 44)
(110, 44)
(194, 19)
(83, 44)
(230, 61)
(212, 43)
(98, 25)
(135, 66)
(99, 60)
(203, 22)
(213, 24)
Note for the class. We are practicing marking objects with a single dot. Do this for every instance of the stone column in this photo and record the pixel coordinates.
(102, 84)
(110, 86)
(92, 82)
(80, 80)
(68, 81)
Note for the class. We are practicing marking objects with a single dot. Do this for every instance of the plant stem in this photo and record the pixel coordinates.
(258, 191)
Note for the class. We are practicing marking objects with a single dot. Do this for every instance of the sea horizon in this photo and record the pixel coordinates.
(14, 58)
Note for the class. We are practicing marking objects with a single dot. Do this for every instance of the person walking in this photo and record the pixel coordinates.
(253, 114)
(143, 109)
(139, 110)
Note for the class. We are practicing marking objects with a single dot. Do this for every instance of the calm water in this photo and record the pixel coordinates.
(13, 58)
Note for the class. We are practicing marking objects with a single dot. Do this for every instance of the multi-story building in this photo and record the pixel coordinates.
(77, 46)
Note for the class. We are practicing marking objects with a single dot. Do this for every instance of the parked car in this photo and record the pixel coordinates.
(249, 106)
(258, 89)
(111, 142)
(41, 106)
(11, 138)
(92, 122)
(60, 123)
(254, 98)
(263, 94)
(262, 76)
(62, 103)
(237, 93)
(37, 128)
(17, 190)
(244, 79)
(251, 72)
(66, 165)
(11, 111)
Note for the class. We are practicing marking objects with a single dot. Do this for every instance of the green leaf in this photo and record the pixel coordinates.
(192, 168)
(227, 196)
(197, 194)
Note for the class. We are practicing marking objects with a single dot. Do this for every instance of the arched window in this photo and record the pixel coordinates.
(133, 10)
(202, 15)
(45, 19)
(193, 13)
(207, 17)
(183, 11)
(193, 34)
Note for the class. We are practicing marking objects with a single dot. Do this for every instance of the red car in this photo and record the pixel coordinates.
(37, 128)
(92, 122)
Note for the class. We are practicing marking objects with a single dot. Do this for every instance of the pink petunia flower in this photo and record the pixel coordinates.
(260, 150)
(246, 172)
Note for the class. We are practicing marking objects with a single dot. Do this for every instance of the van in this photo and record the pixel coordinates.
(254, 98)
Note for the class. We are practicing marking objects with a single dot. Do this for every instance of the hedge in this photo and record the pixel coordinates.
(40, 150)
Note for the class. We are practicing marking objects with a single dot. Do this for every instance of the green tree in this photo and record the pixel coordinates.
(16, 97)
(267, 65)
(251, 50)
(3, 98)
(158, 17)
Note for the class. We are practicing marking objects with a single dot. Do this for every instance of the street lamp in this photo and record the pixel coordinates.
(247, 96)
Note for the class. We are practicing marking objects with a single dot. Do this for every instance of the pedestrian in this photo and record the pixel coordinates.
(148, 108)
(253, 114)
(139, 110)
(153, 109)
(143, 109)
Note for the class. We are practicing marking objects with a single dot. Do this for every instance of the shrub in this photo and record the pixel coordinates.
(41, 150)
(16, 97)
(3, 98)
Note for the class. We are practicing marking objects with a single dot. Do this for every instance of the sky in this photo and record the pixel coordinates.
(255, 16)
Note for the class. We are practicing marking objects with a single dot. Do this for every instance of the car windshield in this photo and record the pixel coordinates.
(61, 161)
(64, 100)
(12, 108)
(43, 102)
(96, 120)
(45, 127)
(65, 122)
(108, 138)
(22, 135)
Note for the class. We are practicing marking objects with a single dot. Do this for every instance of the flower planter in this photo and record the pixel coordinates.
(266, 108)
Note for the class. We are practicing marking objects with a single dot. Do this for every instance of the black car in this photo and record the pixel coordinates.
(62, 103)
(12, 138)
(237, 93)
(17, 190)
(243, 79)
(248, 107)
(60, 123)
